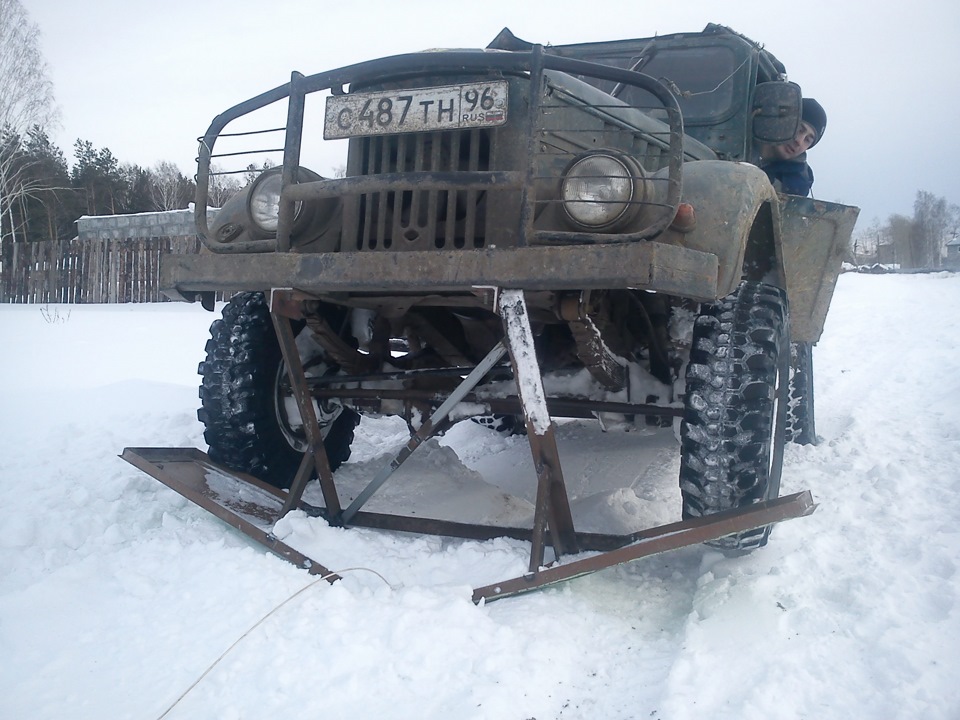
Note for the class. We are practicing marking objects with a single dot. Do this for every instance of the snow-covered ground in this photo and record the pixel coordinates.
(116, 594)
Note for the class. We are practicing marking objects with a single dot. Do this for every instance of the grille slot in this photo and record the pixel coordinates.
(421, 219)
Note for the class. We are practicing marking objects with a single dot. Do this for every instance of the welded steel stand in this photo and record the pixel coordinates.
(253, 507)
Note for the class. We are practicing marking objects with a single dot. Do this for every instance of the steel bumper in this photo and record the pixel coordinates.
(652, 266)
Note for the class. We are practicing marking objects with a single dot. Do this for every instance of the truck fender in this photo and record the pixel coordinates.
(737, 219)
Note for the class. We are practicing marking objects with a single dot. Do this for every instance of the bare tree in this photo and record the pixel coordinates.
(865, 244)
(18, 185)
(222, 187)
(900, 231)
(26, 100)
(931, 224)
(169, 186)
(26, 93)
(254, 171)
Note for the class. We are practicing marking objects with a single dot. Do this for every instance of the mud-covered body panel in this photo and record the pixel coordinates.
(814, 240)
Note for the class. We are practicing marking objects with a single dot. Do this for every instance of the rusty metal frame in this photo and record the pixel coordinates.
(186, 470)
(253, 507)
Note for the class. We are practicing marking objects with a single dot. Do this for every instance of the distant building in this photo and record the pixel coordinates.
(887, 253)
(168, 223)
(952, 258)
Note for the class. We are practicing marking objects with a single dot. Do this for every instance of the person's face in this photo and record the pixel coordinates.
(804, 138)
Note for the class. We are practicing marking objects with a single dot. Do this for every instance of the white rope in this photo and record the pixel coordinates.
(259, 623)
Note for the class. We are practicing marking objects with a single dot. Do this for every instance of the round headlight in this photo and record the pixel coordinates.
(598, 190)
(265, 201)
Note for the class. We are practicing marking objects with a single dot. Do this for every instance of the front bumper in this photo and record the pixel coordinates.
(654, 266)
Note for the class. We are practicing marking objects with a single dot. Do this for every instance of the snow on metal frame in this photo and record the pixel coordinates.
(513, 309)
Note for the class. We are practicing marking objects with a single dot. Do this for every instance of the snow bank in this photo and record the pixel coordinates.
(116, 594)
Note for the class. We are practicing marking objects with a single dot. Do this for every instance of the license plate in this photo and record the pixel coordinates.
(450, 107)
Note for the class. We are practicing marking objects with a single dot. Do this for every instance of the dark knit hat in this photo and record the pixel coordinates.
(814, 115)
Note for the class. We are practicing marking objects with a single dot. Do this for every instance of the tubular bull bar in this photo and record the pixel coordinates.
(534, 64)
(253, 507)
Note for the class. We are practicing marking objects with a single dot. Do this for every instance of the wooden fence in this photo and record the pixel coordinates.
(87, 271)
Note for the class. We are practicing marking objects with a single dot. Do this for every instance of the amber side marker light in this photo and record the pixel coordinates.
(685, 220)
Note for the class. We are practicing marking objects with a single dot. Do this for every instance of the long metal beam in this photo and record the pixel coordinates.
(194, 475)
(652, 266)
(241, 501)
(252, 507)
(657, 540)
(508, 405)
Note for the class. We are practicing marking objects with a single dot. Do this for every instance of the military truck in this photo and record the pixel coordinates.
(600, 197)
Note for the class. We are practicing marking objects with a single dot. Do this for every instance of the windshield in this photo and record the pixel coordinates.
(703, 78)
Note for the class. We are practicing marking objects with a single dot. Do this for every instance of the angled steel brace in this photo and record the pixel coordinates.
(427, 429)
(316, 454)
(240, 500)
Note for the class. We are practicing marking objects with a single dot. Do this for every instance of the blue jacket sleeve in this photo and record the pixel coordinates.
(790, 177)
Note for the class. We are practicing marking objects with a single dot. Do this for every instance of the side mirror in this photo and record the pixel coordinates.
(776, 111)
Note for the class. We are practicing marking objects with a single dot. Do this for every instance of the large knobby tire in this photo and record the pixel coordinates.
(801, 428)
(733, 427)
(243, 405)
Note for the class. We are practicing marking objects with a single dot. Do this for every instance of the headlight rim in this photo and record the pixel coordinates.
(634, 173)
(272, 174)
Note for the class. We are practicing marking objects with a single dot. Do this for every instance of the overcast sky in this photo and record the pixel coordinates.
(146, 78)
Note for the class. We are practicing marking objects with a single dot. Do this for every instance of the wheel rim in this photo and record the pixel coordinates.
(288, 412)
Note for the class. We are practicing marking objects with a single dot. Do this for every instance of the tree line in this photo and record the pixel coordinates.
(41, 195)
(918, 241)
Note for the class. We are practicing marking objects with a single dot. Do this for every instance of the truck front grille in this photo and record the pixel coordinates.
(418, 219)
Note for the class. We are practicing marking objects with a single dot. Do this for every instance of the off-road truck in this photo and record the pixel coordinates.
(603, 193)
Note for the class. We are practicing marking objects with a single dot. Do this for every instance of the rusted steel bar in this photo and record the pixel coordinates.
(466, 531)
(316, 454)
(241, 501)
(552, 506)
(658, 540)
(427, 429)
(651, 266)
(291, 160)
(558, 407)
